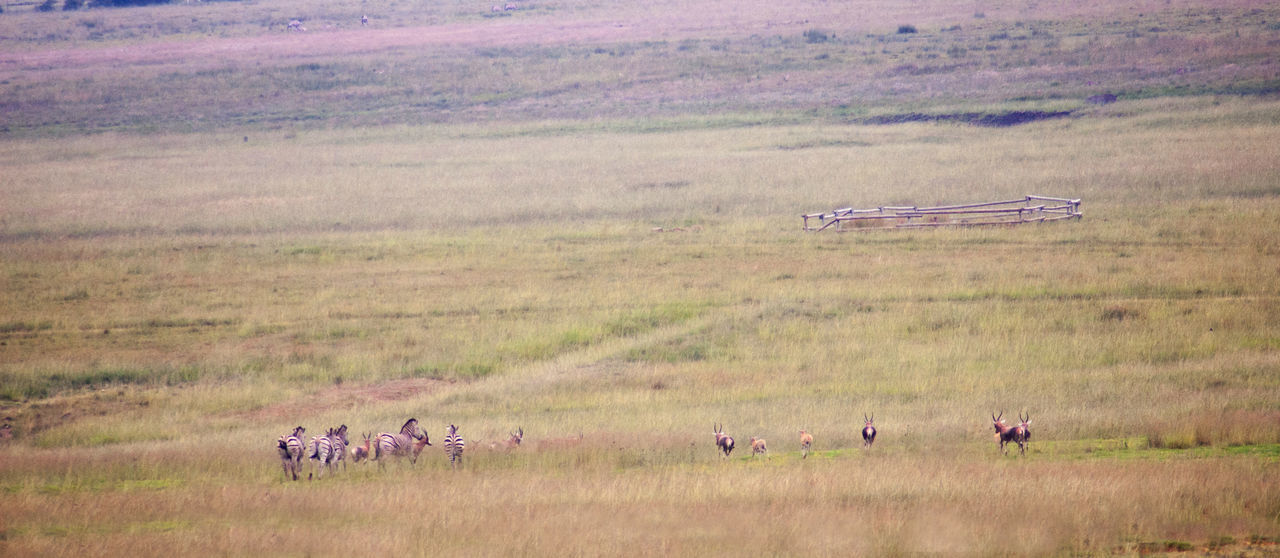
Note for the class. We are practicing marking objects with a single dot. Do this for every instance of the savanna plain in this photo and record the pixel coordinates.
(581, 220)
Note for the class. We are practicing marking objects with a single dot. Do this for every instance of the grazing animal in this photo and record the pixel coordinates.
(723, 441)
(321, 452)
(406, 443)
(1005, 433)
(757, 446)
(296, 25)
(339, 442)
(868, 431)
(453, 446)
(512, 442)
(1024, 432)
(511, 6)
(361, 452)
(364, 20)
(806, 440)
(290, 446)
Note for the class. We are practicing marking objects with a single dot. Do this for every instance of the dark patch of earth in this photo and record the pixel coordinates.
(986, 119)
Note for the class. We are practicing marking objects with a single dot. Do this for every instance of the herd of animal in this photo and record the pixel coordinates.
(330, 450)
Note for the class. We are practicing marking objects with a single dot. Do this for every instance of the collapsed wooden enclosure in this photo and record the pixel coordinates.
(1031, 209)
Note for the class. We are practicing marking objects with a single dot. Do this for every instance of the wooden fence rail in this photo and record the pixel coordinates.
(1008, 212)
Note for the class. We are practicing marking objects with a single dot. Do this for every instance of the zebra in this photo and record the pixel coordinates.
(453, 446)
(290, 446)
(321, 452)
(339, 442)
(407, 442)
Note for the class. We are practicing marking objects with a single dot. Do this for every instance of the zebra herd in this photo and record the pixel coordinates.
(329, 450)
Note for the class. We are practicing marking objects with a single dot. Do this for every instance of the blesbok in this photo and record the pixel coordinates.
(406, 443)
(361, 452)
(290, 446)
(723, 441)
(514, 440)
(806, 440)
(757, 446)
(1005, 433)
(364, 20)
(1024, 432)
(868, 431)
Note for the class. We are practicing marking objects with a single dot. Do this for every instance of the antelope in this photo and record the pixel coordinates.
(514, 440)
(757, 446)
(296, 25)
(361, 453)
(1005, 433)
(723, 441)
(868, 431)
(1024, 432)
(364, 20)
(806, 440)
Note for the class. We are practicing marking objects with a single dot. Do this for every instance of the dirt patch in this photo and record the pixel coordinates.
(345, 396)
(985, 119)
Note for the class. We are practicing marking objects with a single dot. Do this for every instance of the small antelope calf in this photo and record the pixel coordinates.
(806, 440)
(361, 452)
(723, 441)
(757, 446)
(868, 431)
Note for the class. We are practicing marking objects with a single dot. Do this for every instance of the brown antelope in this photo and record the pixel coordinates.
(512, 442)
(757, 446)
(806, 440)
(868, 431)
(1024, 432)
(723, 441)
(361, 452)
(1005, 433)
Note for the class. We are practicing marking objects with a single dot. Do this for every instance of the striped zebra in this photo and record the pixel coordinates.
(290, 447)
(321, 452)
(339, 442)
(407, 443)
(453, 446)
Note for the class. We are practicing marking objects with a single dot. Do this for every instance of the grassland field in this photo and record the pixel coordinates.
(583, 219)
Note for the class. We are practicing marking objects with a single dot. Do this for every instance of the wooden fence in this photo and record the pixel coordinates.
(1031, 209)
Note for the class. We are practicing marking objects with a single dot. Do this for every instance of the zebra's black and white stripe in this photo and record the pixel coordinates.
(453, 446)
(406, 443)
(290, 447)
(338, 440)
(321, 451)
